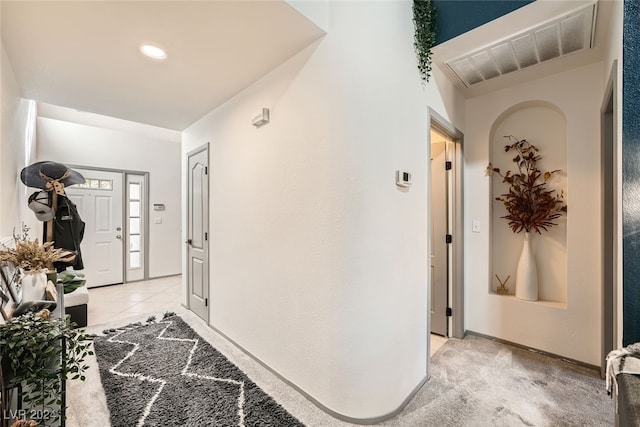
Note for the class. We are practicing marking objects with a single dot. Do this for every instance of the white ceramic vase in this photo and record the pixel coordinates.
(527, 273)
(33, 285)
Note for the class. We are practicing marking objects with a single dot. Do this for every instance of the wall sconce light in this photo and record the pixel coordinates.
(261, 119)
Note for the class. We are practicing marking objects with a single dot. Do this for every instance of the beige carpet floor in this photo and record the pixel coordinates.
(474, 382)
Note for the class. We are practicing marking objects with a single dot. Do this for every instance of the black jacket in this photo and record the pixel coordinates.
(68, 231)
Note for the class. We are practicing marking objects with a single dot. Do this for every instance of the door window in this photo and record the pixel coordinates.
(135, 230)
(134, 220)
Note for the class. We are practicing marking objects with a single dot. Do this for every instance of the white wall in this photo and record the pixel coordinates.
(318, 261)
(101, 147)
(572, 330)
(12, 153)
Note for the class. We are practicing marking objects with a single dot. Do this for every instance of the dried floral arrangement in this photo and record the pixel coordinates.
(30, 255)
(530, 204)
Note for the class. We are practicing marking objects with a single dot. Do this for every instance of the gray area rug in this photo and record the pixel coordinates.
(164, 374)
(480, 382)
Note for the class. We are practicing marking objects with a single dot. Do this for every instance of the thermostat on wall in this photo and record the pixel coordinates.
(158, 207)
(403, 179)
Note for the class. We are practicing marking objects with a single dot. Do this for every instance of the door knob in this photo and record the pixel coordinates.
(118, 237)
(119, 229)
(189, 241)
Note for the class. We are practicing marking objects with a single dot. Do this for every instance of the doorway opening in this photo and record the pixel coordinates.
(611, 336)
(446, 317)
(441, 230)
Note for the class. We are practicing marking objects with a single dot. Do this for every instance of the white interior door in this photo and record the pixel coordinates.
(99, 203)
(439, 232)
(197, 231)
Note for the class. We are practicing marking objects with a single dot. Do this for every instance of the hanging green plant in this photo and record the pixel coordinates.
(424, 22)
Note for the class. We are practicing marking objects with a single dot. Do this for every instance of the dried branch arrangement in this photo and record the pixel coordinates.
(530, 204)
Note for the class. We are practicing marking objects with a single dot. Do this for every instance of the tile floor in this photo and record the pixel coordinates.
(155, 296)
(437, 341)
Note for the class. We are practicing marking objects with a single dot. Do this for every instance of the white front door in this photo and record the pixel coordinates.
(99, 203)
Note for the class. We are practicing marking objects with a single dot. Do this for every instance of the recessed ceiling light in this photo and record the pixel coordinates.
(152, 51)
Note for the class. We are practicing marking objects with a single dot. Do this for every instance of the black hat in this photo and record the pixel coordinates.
(43, 175)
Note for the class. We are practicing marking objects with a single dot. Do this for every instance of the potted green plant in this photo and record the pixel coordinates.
(531, 206)
(39, 351)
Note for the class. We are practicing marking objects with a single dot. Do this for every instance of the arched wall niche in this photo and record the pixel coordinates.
(544, 125)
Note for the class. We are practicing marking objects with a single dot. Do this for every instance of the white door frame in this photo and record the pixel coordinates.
(456, 290)
(125, 228)
(611, 219)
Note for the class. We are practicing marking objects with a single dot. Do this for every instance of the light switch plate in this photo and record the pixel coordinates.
(475, 226)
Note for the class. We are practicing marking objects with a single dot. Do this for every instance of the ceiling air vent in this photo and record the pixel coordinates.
(554, 39)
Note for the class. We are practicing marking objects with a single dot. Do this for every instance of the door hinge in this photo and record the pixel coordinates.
(206, 170)
(447, 165)
(206, 302)
(448, 238)
(206, 236)
(449, 312)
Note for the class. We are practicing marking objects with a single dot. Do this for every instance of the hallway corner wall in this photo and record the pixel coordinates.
(318, 261)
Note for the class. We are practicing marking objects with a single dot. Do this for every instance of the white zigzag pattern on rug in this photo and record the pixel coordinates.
(147, 410)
